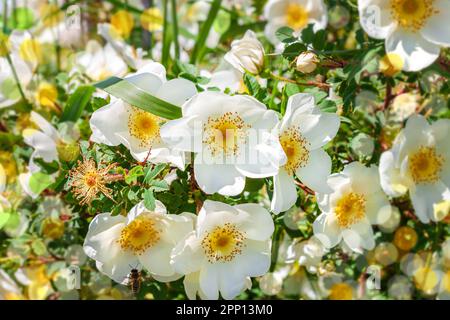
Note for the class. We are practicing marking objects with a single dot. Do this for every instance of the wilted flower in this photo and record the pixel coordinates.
(88, 180)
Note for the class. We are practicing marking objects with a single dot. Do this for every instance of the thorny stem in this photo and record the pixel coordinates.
(389, 96)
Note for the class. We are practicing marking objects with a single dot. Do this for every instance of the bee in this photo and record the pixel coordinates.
(134, 280)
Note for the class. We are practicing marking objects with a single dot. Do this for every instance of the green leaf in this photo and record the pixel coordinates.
(39, 247)
(4, 217)
(133, 95)
(159, 185)
(204, 30)
(134, 174)
(222, 22)
(39, 182)
(152, 173)
(21, 18)
(149, 200)
(285, 34)
(76, 103)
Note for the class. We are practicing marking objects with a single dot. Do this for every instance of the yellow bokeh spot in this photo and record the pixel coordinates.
(405, 238)
(46, 94)
(426, 279)
(51, 14)
(341, 291)
(4, 44)
(8, 165)
(30, 50)
(52, 228)
(391, 64)
(152, 19)
(123, 23)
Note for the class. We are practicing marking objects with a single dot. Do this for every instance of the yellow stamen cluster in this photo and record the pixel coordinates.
(296, 148)
(224, 134)
(139, 235)
(425, 165)
(296, 16)
(412, 14)
(144, 126)
(87, 180)
(222, 244)
(350, 209)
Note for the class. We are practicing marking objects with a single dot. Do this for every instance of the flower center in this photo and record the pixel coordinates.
(123, 22)
(46, 94)
(350, 209)
(296, 16)
(296, 148)
(139, 235)
(425, 165)
(341, 291)
(144, 126)
(224, 134)
(30, 50)
(223, 243)
(412, 14)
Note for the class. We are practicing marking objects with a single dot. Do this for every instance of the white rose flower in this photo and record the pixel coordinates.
(303, 132)
(296, 14)
(142, 239)
(228, 245)
(138, 130)
(356, 202)
(99, 63)
(230, 136)
(419, 162)
(414, 30)
(246, 54)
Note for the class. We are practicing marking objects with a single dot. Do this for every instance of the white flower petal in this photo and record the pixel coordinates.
(156, 259)
(209, 280)
(177, 91)
(284, 192)
(315, 173)
(359, 236)
(416, 52)
(436, 28)
(327, 230)
(375, 18)
(224, 179)
(256, 221)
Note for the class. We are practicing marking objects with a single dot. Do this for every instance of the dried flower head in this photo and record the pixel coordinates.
(88, 180)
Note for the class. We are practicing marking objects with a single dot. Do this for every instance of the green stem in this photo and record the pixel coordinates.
(16, 77)
(204, 31)
(276, 239)
(166, 42)
(175, 28)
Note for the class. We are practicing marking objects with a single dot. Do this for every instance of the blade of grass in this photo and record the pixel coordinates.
(204, 31)
(175, 28)
(166, 40)
(134, 96)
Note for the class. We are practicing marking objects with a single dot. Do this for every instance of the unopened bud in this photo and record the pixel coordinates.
(307, 62)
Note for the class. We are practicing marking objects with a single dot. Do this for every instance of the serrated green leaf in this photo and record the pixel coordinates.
(159, 185)
(134, 96)
(149, 199)
(39, 247)
(285, 34)
(134, 174)
(152, 173)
